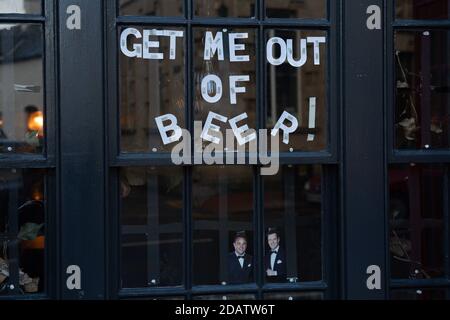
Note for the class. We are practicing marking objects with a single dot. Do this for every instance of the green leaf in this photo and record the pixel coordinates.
(29, 231)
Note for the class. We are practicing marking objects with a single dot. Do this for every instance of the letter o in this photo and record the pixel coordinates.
(283, 51)
(206, 93)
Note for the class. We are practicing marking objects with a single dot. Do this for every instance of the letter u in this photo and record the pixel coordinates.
(303, 53)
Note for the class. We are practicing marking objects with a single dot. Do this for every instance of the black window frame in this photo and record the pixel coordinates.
(328, 159)
(414, 156)
(48, 159)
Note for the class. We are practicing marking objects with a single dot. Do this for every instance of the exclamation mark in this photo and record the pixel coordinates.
(312, 117)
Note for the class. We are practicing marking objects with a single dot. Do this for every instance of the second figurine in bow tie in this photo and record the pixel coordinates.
(275, 258)
(240, 264)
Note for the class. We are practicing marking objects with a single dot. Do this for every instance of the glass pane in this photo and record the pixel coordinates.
(422, 89)
(227, 297)
(419, 294)
(222, 96)
(222, 209)
(293, 224)
(22, 230)
(225, 8)
(152, 226)
(417, 221)
(293, 296)
(151, 7)
(21, 6)
(21, 88)
(305, 9)
(297, 84)
(152, 84)
(419, 9)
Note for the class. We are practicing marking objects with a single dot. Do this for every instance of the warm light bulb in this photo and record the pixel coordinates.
(36, 121)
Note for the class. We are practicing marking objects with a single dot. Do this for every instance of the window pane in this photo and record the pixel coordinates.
(419, 9)
(419, 294)
(151, 7)
(220, 65)
(422, 89)
(222, 206)
(293, 296)
(293, 224)
(22, 230)
(306, 9)
(21, 89)
(152, 227)
(21, 6)
(225, 8)
(150, 87)
(417, 221)
(298, 87)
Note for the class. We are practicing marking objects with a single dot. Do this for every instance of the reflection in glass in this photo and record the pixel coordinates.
(417, 221)
(21, 6)
(301, 90)
(225, 8)
(149, 89)
(226, 297)
(293, 296)
(152, 227)
(222, 205)
(245, 102)
(422, 89)
(306, 9)
(165, 8)
(419, 294)
(292, 206)
(21, 89)
(419, 9)
(22, 230)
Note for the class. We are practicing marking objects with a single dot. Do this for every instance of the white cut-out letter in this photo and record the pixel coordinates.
(212, 88)
(286, 130)
(213, 45)
(303, 53)
(173, 35)
(137, 48)
(152, 44)
(209, 126)
(240, 131)
(235, 90)
(317, 41)
(173, 126)
(270, 51)
(237, 47)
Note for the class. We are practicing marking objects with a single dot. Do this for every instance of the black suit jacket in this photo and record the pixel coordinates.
(279, 267)
(236, 274)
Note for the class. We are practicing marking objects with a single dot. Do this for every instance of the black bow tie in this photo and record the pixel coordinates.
(240, 257)
(276, 252)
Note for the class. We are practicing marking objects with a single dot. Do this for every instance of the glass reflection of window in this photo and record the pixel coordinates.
(225, 8)
(417, 221)
(152, 227)
(21, 89)
(292, 205)
(306, 9)
(21, 6)
(419, 294)
(22, 231)
(166, 8)
(422, 89)
(222, 206)
(421, 10)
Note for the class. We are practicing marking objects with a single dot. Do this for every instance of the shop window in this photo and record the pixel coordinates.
(306, 9)
(21, 7)
(151, 7)
(419, 9)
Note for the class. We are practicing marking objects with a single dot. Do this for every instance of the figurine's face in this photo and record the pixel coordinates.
(240, 246)
(273, 241)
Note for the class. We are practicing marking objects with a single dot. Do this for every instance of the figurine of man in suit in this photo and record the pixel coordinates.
(240, 264)
(275, 258)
